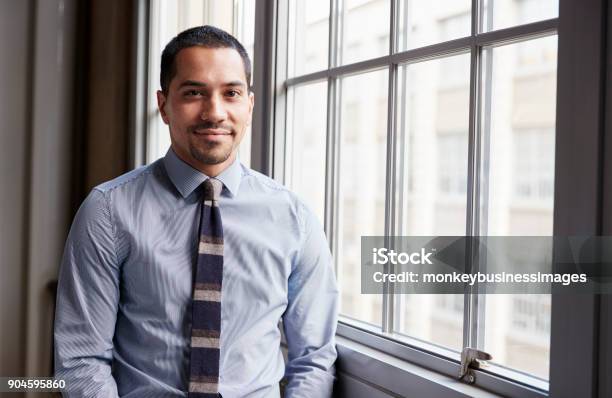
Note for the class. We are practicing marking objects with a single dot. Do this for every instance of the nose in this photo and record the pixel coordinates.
(214, 109)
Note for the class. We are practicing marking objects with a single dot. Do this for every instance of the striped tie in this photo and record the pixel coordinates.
(206, 312)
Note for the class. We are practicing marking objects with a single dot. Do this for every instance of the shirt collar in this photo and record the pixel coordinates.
(186, 179)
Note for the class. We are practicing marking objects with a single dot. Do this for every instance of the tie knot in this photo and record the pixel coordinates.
(212, 189)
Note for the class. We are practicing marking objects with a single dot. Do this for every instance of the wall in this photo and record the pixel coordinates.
(15, 36)
(35, 155)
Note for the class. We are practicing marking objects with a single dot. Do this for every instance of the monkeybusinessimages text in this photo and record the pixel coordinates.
(384, 256)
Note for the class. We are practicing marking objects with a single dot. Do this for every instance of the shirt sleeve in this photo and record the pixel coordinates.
(311, 317)
(87, 301)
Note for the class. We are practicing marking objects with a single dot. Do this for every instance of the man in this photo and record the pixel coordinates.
(175, 275)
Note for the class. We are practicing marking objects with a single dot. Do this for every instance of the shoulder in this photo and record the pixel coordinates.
(131, 179)
(117, 198)
(130, 189)
(261, 181)
(281, 197)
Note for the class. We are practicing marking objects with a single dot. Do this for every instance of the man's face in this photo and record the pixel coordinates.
(208, 107)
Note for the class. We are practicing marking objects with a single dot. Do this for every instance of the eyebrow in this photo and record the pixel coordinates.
(195, 83)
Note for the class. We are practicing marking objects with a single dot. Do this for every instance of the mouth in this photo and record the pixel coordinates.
(212, 132)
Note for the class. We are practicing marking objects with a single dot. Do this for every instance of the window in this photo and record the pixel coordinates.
(309, 22)
(167, 19)
(436, 123)
(534, 164)
(518, 185)
(499, 14)
(358, 43)
(452, 173)
(362, 187)
(306, 144)
(420, 23)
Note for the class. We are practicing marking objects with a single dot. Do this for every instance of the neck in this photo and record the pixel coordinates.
(211, 170)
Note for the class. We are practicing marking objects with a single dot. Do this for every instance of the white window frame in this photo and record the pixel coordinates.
(571, 318)
(473, 44)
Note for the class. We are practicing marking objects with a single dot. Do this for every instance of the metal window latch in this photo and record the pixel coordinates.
(471, 359)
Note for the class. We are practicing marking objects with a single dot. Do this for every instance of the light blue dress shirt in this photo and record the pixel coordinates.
(123, 317)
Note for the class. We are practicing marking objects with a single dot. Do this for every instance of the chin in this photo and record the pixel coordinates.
(211, 157)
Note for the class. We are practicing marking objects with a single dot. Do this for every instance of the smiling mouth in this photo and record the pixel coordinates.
(212, 132)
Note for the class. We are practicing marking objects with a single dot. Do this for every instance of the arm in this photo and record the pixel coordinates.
(87, 301)
(311, 317)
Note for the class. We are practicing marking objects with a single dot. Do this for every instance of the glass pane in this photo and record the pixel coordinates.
(434, 118)
(425, 22)
(363, 135)
(305, 161)
(309, 36)
(500, 14)
(517, 188)
(244, 30)
(365, 29)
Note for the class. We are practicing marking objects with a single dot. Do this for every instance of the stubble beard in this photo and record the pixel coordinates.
(212, 153)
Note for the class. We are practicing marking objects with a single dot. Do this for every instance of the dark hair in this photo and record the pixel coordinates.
(204, 36)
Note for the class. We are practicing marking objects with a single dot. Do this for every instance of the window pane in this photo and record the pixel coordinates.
(309, 36)
(363, 135)
(500, 14)
(517, 189)
(425, 22)
(434, 118)
(365, 29)
(305, 172)
(244, 30)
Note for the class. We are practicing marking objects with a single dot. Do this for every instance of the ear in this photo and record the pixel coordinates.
(161, 102)
(251, 105)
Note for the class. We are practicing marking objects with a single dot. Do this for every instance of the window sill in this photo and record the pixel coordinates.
(371, 364)
(366, 372)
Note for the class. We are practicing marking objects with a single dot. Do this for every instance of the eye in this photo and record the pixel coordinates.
(233, 93)
(193, 93)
